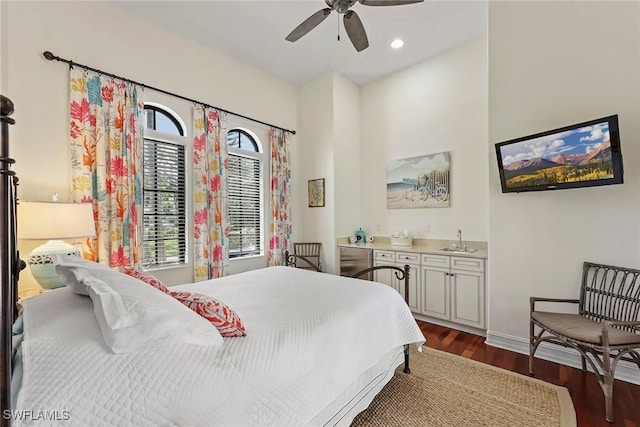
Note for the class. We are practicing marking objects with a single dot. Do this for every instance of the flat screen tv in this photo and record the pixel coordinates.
(581, 155)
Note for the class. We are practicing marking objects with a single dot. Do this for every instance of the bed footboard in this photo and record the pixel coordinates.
(401, 274)
(291, 260)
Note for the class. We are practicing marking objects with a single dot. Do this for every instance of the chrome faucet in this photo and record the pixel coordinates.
(460, 238)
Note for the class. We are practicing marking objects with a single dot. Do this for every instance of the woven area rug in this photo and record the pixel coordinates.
(448, 390)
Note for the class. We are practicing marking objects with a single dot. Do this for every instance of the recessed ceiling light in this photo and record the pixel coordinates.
(397, 44)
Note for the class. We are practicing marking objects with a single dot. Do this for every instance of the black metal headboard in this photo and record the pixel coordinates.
(10, 264)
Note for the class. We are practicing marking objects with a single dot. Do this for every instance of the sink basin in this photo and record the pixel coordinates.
(458, 250)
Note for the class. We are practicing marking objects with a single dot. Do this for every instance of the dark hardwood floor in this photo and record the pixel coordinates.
(585, 391)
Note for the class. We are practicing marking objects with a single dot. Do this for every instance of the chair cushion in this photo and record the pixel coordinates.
(582, 329)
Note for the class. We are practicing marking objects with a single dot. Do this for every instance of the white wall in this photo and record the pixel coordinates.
(552, 64)
(329, 120)
(315, 151)
(349, 133)
(328, 116)
(437, 105)
(346, 160)
(104, 38)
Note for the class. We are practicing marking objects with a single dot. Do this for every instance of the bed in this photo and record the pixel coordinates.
(318, 348)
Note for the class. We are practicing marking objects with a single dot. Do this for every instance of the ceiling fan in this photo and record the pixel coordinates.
(352, 22)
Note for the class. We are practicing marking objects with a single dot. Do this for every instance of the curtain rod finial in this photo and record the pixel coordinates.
(48, 55)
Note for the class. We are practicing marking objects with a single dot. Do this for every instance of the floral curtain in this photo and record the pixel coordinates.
(280, 227)
(210, 215)
(106, 136)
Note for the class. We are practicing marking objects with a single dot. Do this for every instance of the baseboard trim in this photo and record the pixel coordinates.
(625, 371)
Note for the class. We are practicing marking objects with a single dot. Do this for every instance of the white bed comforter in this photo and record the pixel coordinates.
(309, 336)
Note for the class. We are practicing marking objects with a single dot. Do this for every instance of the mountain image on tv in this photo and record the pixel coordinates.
(582, 154)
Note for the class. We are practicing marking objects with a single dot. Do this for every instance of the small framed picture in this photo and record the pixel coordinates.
(316, 193)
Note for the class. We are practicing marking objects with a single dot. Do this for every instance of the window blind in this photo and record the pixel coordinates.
(244, 206)
(164, 212)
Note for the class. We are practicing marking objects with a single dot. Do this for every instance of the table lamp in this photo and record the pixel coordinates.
(53, 221)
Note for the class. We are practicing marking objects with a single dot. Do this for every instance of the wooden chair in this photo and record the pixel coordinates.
(309, 253)
(606, 328)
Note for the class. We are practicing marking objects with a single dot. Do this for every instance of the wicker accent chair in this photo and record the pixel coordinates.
(309, 254)
(606, 328)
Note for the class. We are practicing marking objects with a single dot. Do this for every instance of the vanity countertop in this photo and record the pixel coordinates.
(423, 246)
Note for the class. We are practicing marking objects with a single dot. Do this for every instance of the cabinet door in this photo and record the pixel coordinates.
(435, 292)
(384, 276)
(411, 259)
(467, 298)
(414, 286)
(388, 277)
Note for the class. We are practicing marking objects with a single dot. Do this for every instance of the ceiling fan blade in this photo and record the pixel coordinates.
(308, 24)
(388, 2)
(355, 30)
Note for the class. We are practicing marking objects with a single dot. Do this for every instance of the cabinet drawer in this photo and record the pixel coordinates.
(435, 260)
(383, 255)
(467, 264)
(407, 258)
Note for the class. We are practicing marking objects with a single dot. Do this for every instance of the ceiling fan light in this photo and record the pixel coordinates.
(397, 43)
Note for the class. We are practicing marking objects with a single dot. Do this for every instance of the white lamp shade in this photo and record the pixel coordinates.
(55, 220)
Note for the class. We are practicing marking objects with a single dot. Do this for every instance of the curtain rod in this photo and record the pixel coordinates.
(51, 57)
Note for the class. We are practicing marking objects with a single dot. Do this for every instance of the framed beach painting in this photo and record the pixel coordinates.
(419, 182)
(315, 192)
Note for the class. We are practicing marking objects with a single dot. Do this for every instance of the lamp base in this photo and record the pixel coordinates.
(41, 265)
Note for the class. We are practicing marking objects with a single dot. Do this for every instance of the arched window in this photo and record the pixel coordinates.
(238, 138)
(161, 120)
(164, 189)
(245, 194)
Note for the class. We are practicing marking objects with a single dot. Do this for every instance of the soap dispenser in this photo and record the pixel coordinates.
(360, 237)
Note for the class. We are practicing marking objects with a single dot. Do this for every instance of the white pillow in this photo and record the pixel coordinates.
(67, 267)
(133, 315)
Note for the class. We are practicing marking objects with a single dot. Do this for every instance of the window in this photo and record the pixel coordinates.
(164, 200)
(245, 194)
